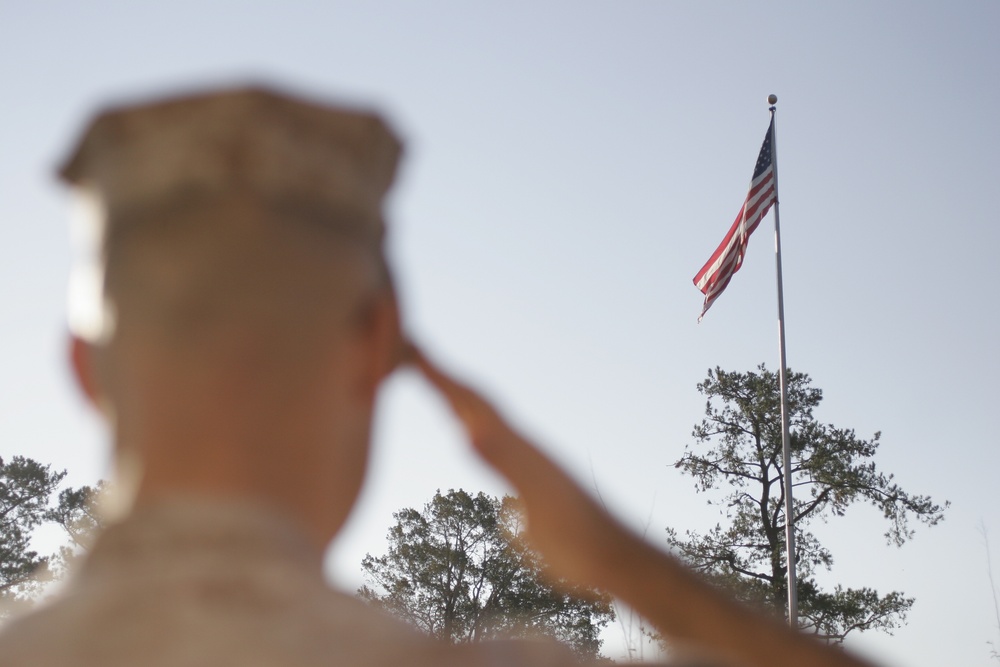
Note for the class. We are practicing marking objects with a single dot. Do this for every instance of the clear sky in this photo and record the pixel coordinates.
(569, 167)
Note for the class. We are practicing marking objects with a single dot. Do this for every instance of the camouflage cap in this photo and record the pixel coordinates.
(291, 155)
(282, 148)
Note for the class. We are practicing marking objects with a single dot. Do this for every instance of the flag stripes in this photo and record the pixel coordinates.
(727, 259)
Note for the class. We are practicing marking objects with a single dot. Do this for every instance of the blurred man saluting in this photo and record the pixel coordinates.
(243, 322)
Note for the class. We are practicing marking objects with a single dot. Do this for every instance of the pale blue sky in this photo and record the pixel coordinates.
(569, 167)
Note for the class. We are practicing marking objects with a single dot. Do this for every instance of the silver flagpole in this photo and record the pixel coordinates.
(793, 601)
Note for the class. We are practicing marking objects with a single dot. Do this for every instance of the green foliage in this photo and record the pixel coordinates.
(739, 449)
(461, 571)
(28, 499)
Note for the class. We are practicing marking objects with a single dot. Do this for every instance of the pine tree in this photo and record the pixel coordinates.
(738, 448)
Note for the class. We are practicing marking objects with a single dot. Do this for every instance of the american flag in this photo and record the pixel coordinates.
(728, 257)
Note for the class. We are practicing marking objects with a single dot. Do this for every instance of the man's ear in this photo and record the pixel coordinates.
(81, 355)
(393, 340)
(384, 341)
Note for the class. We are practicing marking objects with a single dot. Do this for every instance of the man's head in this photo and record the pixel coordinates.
(247, 311)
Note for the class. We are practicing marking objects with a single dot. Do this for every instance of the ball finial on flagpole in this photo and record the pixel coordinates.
(772, 99)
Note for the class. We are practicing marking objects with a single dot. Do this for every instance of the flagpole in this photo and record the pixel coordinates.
(793, 602)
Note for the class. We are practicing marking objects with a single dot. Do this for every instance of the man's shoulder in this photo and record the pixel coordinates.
(201, 585)
(72, 633)
(230, 589)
